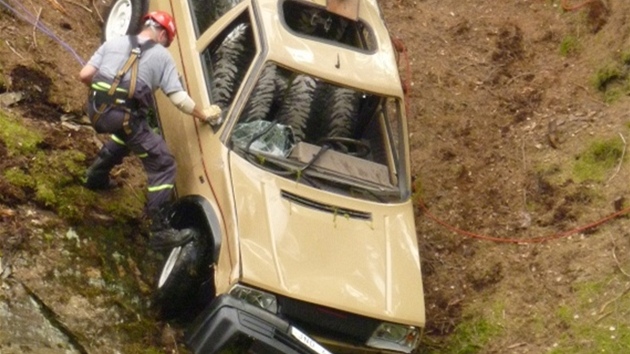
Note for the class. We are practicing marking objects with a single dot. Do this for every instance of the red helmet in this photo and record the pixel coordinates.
(165, 20)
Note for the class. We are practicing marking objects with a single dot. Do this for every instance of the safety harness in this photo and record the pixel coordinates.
(106, 96)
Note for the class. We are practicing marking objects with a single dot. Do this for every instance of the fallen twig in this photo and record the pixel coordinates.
(603, 316)
(58, 6)
(79, 5)
(133, 190)
(39, 14)
(97, 12)
(617, 261)
(516, 345)
(7, 213)
(13, 50)
(524, 169)
(615, 299)
(623, 153)
(172, 335)
(589, 95)
(513, 78)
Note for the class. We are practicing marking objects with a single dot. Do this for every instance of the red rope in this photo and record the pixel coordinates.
(567, 7)
(539, 239)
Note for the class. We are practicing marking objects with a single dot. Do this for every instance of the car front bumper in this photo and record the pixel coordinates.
(230, 325)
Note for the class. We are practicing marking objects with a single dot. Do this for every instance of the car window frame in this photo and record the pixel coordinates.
(193, 16)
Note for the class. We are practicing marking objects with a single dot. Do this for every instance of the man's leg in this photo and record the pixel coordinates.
(159, 165)
(111, 154)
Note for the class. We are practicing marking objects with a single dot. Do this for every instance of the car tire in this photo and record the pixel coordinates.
(229, 63)
(180, 280)
(343, 110)
(295, 107)
(262, 97)
(334, 113)
(123, 18)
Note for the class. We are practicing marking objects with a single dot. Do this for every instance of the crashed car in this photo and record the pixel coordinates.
(301, 198)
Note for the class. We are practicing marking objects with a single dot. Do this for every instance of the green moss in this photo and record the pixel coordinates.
(122, 271)
(143, 349)
(606, 75)
(127, 205)
(19, 178)
(479, 326)
(564, 314)
(598, 317)
(587, 291)
(613, 78)
(17, 138)
(57, 175)
(598, 160)
(137, 329)
(613, 94)
(472, 335)
(569, 46)
(55, 179)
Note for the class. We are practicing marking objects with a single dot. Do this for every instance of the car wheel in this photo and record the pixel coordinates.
(123, 18)
(180, 280)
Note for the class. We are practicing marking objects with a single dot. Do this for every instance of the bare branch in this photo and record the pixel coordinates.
(39, 14)
(623, 153)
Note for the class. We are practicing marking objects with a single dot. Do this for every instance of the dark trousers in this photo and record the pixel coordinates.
(158, 162)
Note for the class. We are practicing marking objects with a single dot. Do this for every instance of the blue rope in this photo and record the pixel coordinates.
(30, 18)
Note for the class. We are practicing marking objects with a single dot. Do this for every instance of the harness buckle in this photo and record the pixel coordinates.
(136, 51)
(118, 100)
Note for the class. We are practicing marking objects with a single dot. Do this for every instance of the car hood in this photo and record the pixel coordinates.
(327, 249)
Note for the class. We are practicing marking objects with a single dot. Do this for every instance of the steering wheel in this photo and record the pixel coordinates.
(353, 147)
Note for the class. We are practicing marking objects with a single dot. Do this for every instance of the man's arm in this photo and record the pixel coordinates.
(87, 73)
(184, 103)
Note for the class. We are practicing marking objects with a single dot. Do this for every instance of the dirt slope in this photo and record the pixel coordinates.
(506, 99)
(504, 105)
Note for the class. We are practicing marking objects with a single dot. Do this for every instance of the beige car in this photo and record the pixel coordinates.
(302, 196)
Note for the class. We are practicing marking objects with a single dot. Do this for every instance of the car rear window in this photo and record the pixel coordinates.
(316, 22)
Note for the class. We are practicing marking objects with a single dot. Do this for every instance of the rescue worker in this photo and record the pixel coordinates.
(122, 75)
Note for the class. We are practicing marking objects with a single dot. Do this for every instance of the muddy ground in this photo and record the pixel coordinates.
(518, 122)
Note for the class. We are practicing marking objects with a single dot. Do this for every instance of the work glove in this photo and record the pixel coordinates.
(213, 115)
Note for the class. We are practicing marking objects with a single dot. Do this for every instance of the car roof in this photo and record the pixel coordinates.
(373, 71)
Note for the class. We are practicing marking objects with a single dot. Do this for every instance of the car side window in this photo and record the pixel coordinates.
(205, 12)
(227, 59)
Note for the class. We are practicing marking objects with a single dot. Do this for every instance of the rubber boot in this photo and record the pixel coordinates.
(164, 237)
(98, 172)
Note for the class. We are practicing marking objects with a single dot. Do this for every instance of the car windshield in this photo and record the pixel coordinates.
(324, 135)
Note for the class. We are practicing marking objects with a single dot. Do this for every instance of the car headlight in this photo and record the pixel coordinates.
(255, 297)
(396, 337)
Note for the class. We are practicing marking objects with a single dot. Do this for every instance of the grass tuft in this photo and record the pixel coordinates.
(16, 137)
(597, 160)
(472, 335)
(569, 46)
